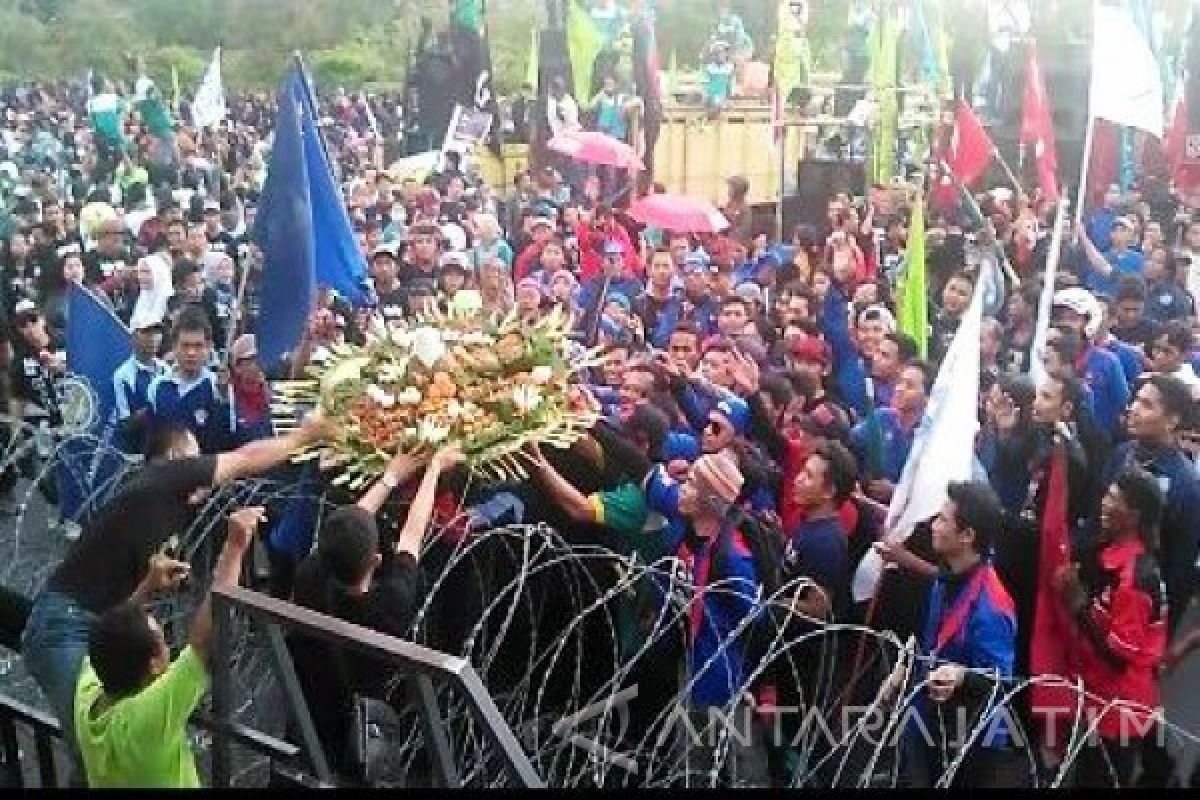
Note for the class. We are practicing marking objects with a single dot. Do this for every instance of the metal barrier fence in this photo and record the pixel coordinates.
(304, 765)
(421, 665)
(284, 757)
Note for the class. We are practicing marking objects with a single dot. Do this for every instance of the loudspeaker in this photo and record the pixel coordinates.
(817, 181)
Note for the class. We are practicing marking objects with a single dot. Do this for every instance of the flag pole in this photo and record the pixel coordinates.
(783, 132)
(1081, 197)
(1007, 169)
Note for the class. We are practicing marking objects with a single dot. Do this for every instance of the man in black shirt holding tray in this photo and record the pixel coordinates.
(118, 556)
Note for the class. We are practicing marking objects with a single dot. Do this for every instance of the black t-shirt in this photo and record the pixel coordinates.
(98, 266)
(903, 596)
(330, 678)
(32, 383)
(110, 559)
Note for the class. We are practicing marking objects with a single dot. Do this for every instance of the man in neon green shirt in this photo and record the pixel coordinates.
(132, 703)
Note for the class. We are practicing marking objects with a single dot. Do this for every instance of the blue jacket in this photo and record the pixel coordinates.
(1102, 372)
(1166, 301)
(724, 567)
(985, 640)
(849, 369)
(131, 388)
(703, 314)
(1129, 356)
(665, 321)
(198, 406)
(591, 292)
(895, 443)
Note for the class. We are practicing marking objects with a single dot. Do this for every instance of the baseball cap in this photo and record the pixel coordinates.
(612, 248)
(530, 283)
(750, 292)
(736, 411)
(620, 300)
(454, 259)
(384, 248)
(542, 219)
(810, 349)
(243, 347)
(696, 261)
(827, 421)
(1081, 301)
(212, 205)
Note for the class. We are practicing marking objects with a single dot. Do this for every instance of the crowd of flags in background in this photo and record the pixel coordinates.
(305, 234)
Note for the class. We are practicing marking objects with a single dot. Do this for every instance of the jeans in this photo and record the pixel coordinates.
(53, 646)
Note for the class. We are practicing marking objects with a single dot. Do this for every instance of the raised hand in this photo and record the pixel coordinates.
(243, 524)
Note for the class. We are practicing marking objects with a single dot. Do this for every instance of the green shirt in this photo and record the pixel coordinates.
(141, 741)
(623, 509)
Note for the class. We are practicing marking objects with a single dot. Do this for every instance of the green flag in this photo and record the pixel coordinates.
(584, 43)
(531, 68)
(913, 304)
(882, 74)
(174, 89)
(469, 14)
(153, 110)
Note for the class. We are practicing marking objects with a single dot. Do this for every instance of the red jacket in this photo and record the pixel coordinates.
(591, 243)
(1123, 636)
(790, 514)
(526, 262)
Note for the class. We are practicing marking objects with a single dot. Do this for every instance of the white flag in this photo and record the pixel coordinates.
(208, 109)
(1126, 83)
(943, 449)
(1037, 367)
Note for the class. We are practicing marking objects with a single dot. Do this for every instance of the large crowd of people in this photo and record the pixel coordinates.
(758, 402)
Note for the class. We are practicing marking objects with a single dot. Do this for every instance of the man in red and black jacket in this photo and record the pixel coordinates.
(1118, 602)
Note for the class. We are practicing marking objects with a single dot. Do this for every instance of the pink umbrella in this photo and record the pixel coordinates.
(593, 147)
(679, 213)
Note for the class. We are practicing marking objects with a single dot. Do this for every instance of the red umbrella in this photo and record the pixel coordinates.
(593, 147)
(679, 213)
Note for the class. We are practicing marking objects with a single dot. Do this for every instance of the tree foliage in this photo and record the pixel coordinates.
(346, 42)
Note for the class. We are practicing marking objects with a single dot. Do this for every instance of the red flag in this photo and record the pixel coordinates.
(1104, 162)
(1185, 173)
(1052, 631)
(1037, 126)
(970, 147)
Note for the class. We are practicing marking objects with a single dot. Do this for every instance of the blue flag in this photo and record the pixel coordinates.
(90, 464)
(284, 231)
(339, 262)
(302, 227)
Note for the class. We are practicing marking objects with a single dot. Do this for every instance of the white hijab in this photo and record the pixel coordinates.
(151, 305)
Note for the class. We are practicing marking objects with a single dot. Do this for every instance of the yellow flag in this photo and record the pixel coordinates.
(913, 304)
(584, 43)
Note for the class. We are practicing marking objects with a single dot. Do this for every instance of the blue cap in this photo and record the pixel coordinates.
(621, 300)
(696, 261)
(737, 412)
(679, 445)
(612, 248)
